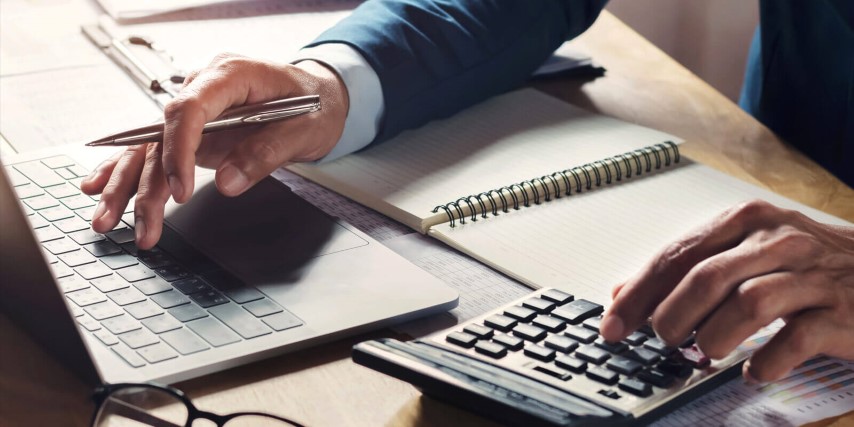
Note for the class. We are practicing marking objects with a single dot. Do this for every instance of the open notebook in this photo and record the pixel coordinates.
(547, 193)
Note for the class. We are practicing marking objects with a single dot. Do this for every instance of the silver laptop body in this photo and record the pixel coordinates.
(308, 279)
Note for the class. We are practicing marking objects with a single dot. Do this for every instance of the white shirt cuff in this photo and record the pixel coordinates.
(363, 89)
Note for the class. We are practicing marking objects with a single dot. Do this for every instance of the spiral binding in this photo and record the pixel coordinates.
(546, 187)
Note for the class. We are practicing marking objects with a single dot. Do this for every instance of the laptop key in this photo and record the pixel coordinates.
(57, 213)
(121, 235)
(103, 247)
(65, 173)
(262, 307)
(62, 191)
(155, 260)
(129, 356)
(281, 321)
(244, 294)
(36, 221)
(86, 236)
(60, 246)
(40, 174)
(208, 298)
(71, 284)
(109, 283)
(240, 320)
(40, 202)
(121, 324)
(191, 285)
(103, 310)
(86, 297)
(170, 299)
(117, 261)
(172, 273)
(79, 201)
(70, 225)
(58, 162)
(143, 309)
(157, 353)
(48, 233)
(126, 296)
(15, 177)
(77, 258)
(161, 323)
(135, 273)
(154, 285)
(89, 323)
(214, 332)
(28, 190)
(61, 270)
(93, 271)
(106, 337)
(138, 338)
(188, 312)
(184, 341)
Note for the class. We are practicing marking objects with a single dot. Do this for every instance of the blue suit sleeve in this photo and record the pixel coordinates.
(434, 58)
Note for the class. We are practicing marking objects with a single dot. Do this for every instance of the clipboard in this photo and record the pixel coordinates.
(148, 65)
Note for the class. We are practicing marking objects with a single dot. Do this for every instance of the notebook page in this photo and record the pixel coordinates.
(509, 138)
(587, 243)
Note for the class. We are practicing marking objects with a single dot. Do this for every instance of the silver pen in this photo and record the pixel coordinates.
(247, 115)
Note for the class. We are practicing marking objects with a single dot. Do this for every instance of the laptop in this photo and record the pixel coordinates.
(232, 280)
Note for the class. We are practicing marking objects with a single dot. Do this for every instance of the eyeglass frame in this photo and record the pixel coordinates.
(102, 392)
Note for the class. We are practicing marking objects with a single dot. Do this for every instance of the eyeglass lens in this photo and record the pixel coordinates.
(141, 406)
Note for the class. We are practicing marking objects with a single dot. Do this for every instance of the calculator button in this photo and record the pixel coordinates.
(611, 347)
(675, 368)
(636, 338)
(528, 332)
(461, 339)
(551, 324)
(633, 386)
(592, 354)
(623, 365)
(571, 363)
(479, 331)
(658, 346)
(511, 342)
(602, 375)
(577, 311)
(554, 372)
(539, 352)
(561, 343)
(557, 297)
(500, 322)
(592, 323)
(491, 349)
(580, 334)
(656, 377)
(643, 355)
(539, 305)
(520, 313)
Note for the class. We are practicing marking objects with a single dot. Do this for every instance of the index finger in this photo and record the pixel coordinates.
(640, 295)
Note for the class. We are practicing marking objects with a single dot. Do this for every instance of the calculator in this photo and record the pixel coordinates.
(541, 361)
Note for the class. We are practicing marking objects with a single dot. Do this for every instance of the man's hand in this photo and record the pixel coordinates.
(154, 172)
(751, 265)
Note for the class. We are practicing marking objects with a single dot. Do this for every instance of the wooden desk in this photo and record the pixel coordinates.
(322, 387)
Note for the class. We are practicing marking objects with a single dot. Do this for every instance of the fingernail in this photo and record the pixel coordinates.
(612, 326)
(139, 228)
(99, 211)
(233, 180)
(175, 186)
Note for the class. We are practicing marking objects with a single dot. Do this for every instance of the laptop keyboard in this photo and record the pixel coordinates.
(147, 306)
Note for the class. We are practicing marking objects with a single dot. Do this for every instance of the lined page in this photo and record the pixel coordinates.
(589, 242)
(507, 139)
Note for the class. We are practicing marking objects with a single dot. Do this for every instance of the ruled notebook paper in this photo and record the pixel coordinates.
(588, 242)
(509, 138)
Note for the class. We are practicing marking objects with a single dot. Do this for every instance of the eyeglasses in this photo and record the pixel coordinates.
(147, 404)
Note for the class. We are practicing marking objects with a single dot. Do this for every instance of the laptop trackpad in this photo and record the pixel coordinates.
(266, 235)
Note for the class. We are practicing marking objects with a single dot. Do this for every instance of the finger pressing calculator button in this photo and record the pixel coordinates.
(461, 339)
(491, 349)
